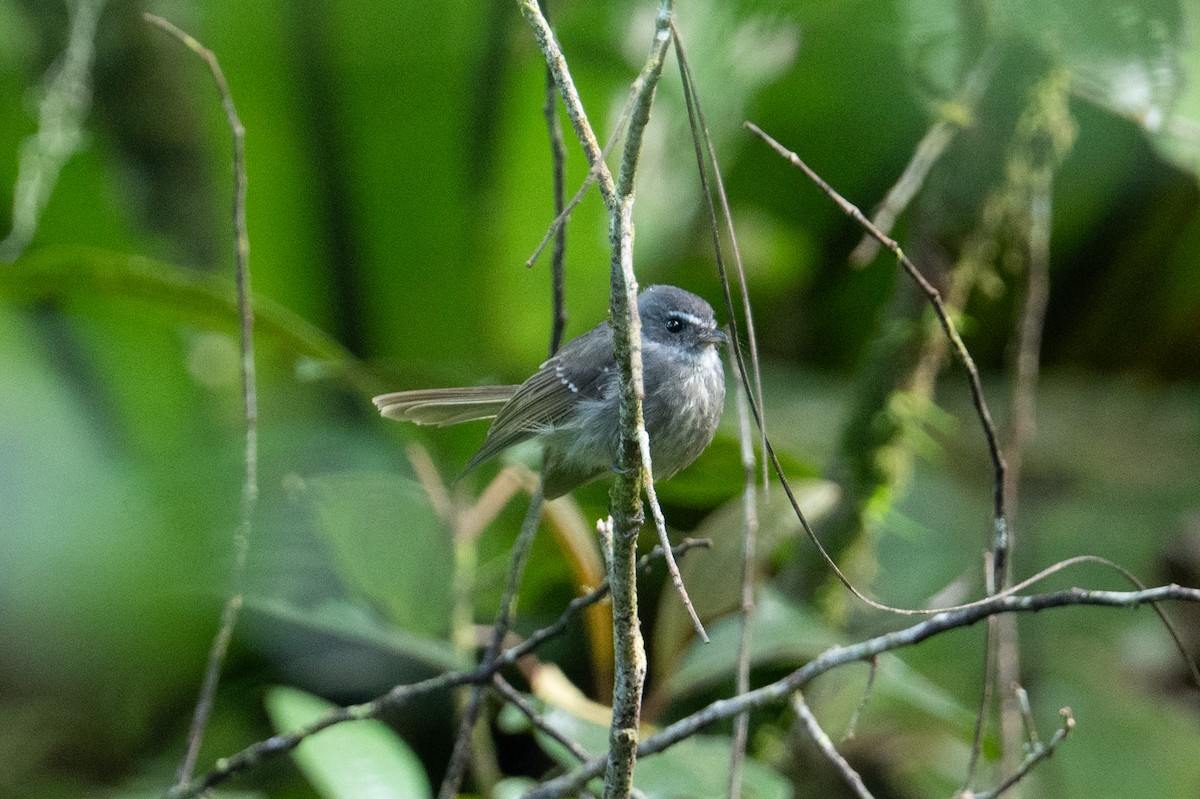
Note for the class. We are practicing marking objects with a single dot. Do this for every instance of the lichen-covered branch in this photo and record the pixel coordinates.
(835, 657)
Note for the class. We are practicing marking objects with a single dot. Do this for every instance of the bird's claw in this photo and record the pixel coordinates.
(616, 467)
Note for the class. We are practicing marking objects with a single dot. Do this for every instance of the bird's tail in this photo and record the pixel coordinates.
(444, 406)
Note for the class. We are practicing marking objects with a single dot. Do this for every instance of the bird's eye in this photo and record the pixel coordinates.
(674, 324)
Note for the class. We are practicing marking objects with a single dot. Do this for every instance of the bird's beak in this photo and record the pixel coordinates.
(716, 337)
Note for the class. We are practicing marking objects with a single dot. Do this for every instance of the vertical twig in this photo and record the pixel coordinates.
(872, 673)
(741, 724)
(588, 179)
(999, 518)
(1038, 752)
(241, 541)
(988, 683)
(1029, 336)
(634, 448)
(558, 155)
(60, 128)
(1020, 433)
(635, 472)
(700, 134)
(520, 556)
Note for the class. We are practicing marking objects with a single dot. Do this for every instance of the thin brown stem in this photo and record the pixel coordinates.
(741, 724)
(251, 756)
(851, 777)
(1038, 753)
(558, 157)
(470, 716)
(561, 219)
(999, 519)
(939, 308)
(872, 673)
(701, 135)
(241, 541)
(781, 690)
(514, 698)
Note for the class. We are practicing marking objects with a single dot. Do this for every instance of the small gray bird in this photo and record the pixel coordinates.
(571, 402)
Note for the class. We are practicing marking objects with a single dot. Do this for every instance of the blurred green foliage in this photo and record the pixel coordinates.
(399, 177)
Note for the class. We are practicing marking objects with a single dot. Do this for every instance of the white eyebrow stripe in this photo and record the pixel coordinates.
(687, 317)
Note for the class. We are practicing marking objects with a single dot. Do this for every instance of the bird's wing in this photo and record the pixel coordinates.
(579, 371)
(445, 406)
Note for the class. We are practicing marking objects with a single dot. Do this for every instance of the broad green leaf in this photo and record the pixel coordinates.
(781, 632)
(904, 692)
(355, 624)
(512, 787)
(714, 577)
(174, 295)
(354, 760)
(1135, 58)
(716, 475)
(784, 633)
(388, 545)
(1123, 54)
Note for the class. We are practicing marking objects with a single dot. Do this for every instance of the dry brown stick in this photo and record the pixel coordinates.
(461, 753)
(558, 156)
(939, 308)
(1038, 753)
(852, 778)
(249, 500)
(741, 724)
(700, 135)
(835, 657)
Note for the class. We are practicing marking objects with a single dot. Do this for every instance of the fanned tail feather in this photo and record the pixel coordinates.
(444, 406)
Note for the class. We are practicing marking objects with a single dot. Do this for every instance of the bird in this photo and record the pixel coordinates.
(571, 403)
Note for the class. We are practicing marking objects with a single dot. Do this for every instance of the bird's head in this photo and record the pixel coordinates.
(678, 318)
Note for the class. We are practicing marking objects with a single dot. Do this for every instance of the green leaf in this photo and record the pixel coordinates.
(714, 577)
(785, 633)
(175, 295)
(512, 787)
(1123, 53)
(388, 545)
(707, 482)
(781, 632)
(355, 624)
(354, 760)
(1134, 58)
